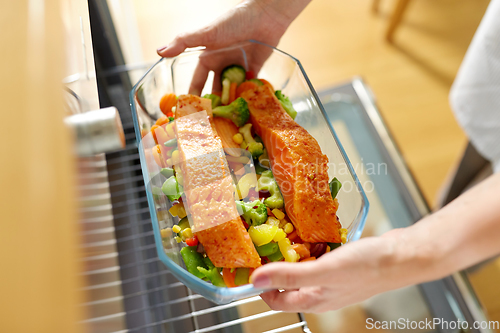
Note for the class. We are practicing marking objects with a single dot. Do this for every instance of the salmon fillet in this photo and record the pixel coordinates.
(208, 187)
(298, 165)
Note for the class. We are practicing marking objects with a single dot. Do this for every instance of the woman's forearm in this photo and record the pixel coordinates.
(285, 11)
(463, 233)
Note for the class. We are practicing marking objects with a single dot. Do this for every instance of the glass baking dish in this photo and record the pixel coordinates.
(174, 75)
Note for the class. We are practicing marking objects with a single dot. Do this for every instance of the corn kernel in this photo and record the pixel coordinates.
(238, 138)
(170, 130)
(279, 235)
(176, 229)
(288, 228)
(272, 221)
(178, 239)
(173, 210)
(343, 238)
(283, 223)
(187, 233)
(327, 249)
(169, 162)
(179, 178)
(175, 157)
(166, 233)
(343, 231)
(278, 213)
(181, 211)
(245, 183)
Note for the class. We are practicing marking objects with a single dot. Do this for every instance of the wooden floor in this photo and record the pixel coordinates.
(336, 40)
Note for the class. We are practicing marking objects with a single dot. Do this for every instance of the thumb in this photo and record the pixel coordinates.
(288, 275)
(202, 37)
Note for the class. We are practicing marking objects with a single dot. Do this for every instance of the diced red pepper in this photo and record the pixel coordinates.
(192, 241)
(229, 277)
(249, 75)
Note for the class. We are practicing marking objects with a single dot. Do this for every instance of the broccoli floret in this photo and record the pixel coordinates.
(268, 183)
(212, 273)
(253, 216)
(215, 100)
(237, 111)
(255, 148)
(287, 105)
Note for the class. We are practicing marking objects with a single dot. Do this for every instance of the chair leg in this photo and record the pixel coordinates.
(375, 6)
(396, 17)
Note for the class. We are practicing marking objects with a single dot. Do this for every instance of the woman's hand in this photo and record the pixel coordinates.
(459, 235)
(342, 277)
(262, 20)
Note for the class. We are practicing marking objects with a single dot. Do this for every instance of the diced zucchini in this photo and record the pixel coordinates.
(184, 223)
(257, 82)
(235, 73)
(333, 246)
(241, 276)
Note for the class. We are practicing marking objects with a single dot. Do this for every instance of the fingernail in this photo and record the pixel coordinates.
(163, 48)
(262, 282)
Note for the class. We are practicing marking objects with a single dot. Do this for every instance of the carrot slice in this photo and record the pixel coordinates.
(162, 121)
(232, 92)
(167, 102)
(302, 250)
(245, 86)
(229, 277)
(158, 157)
(267, 83)
(154, 133)
(226, 130)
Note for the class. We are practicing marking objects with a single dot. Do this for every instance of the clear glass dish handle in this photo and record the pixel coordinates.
(97, 131)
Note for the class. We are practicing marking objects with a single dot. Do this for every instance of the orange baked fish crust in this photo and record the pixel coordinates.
(208, 187)
(298, 165)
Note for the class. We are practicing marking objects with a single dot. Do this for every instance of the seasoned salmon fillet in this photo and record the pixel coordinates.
(298, 165)
(208, 187)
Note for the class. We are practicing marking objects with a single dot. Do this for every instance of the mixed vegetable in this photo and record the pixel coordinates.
(258, 199)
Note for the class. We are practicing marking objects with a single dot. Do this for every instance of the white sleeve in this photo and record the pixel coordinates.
(475, 95)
